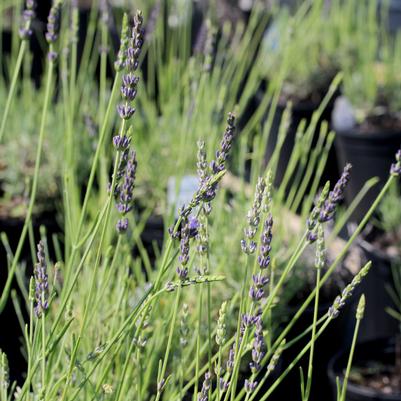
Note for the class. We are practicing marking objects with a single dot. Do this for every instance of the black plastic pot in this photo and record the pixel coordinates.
(382, 350)
(377, 323)
(300, 111)
(393, 15)
(371, 156)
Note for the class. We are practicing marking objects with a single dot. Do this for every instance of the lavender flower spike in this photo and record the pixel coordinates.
(225, 146)
(258, 347)
(41, 282)
(182, 270)
(125, 191)
(248, 245)
(53, 22)
(204, 393)
(28, 15)
(396, 167)
(335, 196)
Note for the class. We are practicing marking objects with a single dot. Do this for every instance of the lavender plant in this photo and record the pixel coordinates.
(100, 326)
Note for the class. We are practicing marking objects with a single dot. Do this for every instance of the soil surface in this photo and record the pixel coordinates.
(379, 123)
(378, 377)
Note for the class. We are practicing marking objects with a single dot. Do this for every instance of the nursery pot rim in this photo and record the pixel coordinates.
(356, 389)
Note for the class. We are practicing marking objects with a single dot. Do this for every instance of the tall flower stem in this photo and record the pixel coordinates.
(28, 217)
(169, 341)
(13, 85)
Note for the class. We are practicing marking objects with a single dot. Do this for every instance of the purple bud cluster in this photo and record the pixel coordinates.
(335, 196)
(204, 393)
(224, 384)
(260, 279)
(250, 385)
(25, 32)
(218, 164)
(396, 167)
(121, 143)
(204, 174)
(312, 221)
(53, 22)
(230, 359)
(248, 245)
(182, 269)
(41, 282)
(124, 191)
(131, 62)
(258, 347)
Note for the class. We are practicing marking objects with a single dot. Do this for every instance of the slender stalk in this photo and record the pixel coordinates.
(13, 85)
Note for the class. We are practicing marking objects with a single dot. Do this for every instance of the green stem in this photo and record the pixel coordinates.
(312, 341)
(12, 87)
(350, 358)
(169, 341)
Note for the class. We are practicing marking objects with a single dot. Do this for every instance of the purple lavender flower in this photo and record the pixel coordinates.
(260, 280)
(247, 320)
(121, 143)
(28, 15)
(136, 43)
(258, 347)
(265, 246)
(335, 196)
(53, 22)
(396, 167)
(230, 360)
(218, 164)
(224, 384)
(41, 282)
(312, 221)
(193, 226)
(250, 385)
(182, 270)
(122, 225)
(204, 393)
(125, 190)
(125, 111)
(248, 245)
